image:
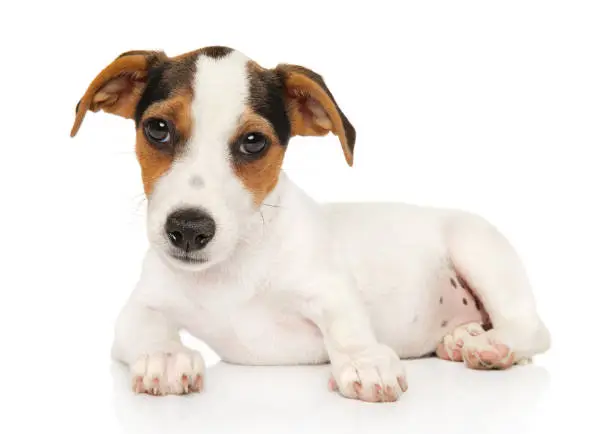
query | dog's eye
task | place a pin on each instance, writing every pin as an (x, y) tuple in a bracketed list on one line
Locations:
[(253, 143), (159, 132)]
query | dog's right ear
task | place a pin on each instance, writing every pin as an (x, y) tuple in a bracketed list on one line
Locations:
[(118, 87)]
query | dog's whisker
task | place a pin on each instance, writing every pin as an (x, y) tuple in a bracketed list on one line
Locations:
[(139, 200), (140, 197)]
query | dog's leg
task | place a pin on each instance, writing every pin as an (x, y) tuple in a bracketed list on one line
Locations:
[(489, 266), (362, 368), (150, 345)]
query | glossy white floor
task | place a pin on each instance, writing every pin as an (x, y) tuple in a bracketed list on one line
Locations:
[(78, 390), (443, 397)]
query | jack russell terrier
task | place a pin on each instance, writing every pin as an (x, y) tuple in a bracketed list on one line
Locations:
[(243, 259)]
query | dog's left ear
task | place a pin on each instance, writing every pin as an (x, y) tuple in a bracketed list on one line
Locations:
[(312, 109)]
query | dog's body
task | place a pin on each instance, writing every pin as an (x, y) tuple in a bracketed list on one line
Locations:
[(278, 278)]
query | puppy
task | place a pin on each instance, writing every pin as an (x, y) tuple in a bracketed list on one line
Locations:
[(243, 259)]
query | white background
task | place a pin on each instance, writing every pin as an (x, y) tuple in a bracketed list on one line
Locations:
[(501, 108)]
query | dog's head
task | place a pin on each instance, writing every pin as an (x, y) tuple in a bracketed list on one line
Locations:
[(212, 127)]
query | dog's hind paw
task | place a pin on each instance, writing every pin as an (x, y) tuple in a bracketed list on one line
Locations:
[(476, 348), (175, 373), (483, 352), (451, 346)]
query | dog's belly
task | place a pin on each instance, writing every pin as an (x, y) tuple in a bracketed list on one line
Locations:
[(410, 322)]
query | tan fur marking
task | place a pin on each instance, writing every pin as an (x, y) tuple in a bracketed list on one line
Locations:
[(259, 176), (153, 162)]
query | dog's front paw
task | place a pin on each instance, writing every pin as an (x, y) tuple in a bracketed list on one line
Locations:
[(164, 373), (374, 375)]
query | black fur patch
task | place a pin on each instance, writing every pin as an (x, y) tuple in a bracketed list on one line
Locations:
[(216, 52), (156, 90), (267, 100), (163, 79)]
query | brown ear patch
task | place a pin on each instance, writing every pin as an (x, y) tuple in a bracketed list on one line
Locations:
[(118, 87), (312, 109), (119, 95), (259, 176)]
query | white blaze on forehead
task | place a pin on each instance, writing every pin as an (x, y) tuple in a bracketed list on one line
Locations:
[(221, 90)]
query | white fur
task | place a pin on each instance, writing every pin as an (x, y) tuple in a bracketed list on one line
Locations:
[(302, 283)]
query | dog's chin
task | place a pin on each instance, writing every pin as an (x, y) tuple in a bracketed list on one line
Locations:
[(187, 262)]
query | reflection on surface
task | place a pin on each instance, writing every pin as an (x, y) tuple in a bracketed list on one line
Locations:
[(442, 397)]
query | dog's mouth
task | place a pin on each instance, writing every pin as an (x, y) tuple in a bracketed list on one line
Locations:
[(186, 258)]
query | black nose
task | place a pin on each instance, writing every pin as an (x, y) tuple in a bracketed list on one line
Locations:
[(190, 229)]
